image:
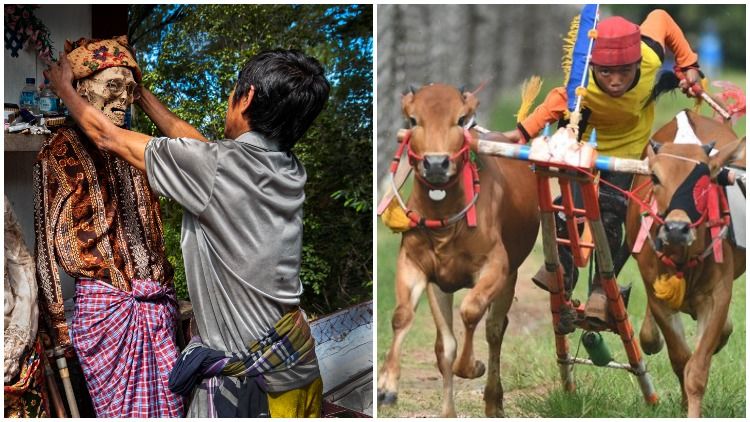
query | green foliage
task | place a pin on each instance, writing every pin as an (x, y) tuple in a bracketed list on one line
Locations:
[(191, 63), (171, 213)]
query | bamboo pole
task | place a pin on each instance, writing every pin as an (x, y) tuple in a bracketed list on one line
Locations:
[(62, 367), (54, 392)]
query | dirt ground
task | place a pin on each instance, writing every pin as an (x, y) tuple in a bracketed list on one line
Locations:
[(421, 381)]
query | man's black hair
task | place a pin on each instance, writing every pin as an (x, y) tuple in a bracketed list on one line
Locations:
[(290, 91)]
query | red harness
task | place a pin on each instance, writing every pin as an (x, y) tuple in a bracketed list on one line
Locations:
[(469, 176), (712, 201)]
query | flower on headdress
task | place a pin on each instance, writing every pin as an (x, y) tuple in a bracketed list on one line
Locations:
[(91, 65), (100, 53)]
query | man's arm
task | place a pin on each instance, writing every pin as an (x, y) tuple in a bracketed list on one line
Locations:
[(127, 144), (166, 121)]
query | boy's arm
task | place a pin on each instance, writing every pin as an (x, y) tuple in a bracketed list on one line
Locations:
[(127, 144), (166, 121), (660, 27), (551, 110)]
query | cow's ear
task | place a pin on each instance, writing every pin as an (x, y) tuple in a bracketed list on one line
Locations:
[(733, 151), (471, 102), (407, 98)]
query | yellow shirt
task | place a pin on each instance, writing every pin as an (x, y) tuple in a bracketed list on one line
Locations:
[(623, 125)]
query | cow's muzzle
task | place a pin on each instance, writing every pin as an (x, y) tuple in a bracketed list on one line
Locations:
[(437, 169)]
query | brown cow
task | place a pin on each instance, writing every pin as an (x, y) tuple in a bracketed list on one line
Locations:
[(444, 260), (708, 284)]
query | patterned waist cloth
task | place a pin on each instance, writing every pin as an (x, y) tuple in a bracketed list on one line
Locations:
[(125, 342), (288, 343)]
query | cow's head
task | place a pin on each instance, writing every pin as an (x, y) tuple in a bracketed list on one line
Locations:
[(438, 115), (681, 175)]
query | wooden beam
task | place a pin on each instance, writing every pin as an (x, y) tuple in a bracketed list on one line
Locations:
[(109, 20)]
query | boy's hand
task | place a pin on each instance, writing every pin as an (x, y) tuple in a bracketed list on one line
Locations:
[(513, 135), (60, 74), (692, 77)]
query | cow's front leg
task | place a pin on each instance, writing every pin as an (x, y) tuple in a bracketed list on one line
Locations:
[(712, 316), (410, 283), (497, 323), (441, 304), (491, 279), (670, 324)]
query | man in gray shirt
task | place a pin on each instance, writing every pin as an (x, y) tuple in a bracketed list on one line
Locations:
[(241, 233)]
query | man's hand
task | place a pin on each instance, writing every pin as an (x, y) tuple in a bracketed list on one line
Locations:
[(692, 77), (59, 74)]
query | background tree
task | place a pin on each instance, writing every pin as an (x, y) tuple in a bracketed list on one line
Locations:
[(191, 56)]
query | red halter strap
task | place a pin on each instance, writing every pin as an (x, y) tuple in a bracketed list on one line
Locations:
[(715, 215), (469, 177)]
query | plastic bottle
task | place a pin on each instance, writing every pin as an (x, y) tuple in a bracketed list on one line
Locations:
[(49, 103), (30, 96)]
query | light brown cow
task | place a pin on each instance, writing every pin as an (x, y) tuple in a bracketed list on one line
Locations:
[(484, 259), (708, 283)]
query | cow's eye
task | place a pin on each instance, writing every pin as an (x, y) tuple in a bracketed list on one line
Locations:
[(655, 179), (412, 121), (462, 121)]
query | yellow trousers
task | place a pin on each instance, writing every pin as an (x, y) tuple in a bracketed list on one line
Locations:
[(305, 402)]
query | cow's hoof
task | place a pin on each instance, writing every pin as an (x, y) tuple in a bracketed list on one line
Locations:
[(387, 398), (475, 372)]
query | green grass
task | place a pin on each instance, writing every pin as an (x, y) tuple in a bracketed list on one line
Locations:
[(618, 389), (529, 371)]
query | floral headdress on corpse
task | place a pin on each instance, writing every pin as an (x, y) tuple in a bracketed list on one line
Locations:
[(88, 56)]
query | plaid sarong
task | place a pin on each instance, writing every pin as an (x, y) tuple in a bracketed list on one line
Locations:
[(288, 343), (125, 342)]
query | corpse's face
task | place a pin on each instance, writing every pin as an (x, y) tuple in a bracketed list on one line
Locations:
[(616, 80), (111, 91)]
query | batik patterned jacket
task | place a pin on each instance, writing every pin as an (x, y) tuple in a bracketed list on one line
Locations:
[(95, 216)]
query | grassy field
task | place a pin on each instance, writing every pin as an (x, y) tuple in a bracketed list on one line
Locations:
[(529, 371)]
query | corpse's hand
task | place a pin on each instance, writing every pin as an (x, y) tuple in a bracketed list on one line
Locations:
[(692, 77), (60, 74)]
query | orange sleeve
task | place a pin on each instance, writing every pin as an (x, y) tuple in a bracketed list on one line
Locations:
[(551, 110), (660, 27)]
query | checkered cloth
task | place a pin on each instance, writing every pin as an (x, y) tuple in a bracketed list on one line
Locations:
[(125, 342), (288, 343)]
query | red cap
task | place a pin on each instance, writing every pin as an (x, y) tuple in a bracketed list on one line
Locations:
[(618, 42)]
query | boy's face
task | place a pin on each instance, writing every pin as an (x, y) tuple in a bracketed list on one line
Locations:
[(616, 80)]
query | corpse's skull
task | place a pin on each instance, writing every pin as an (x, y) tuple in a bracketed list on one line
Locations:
[(111, 91)]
